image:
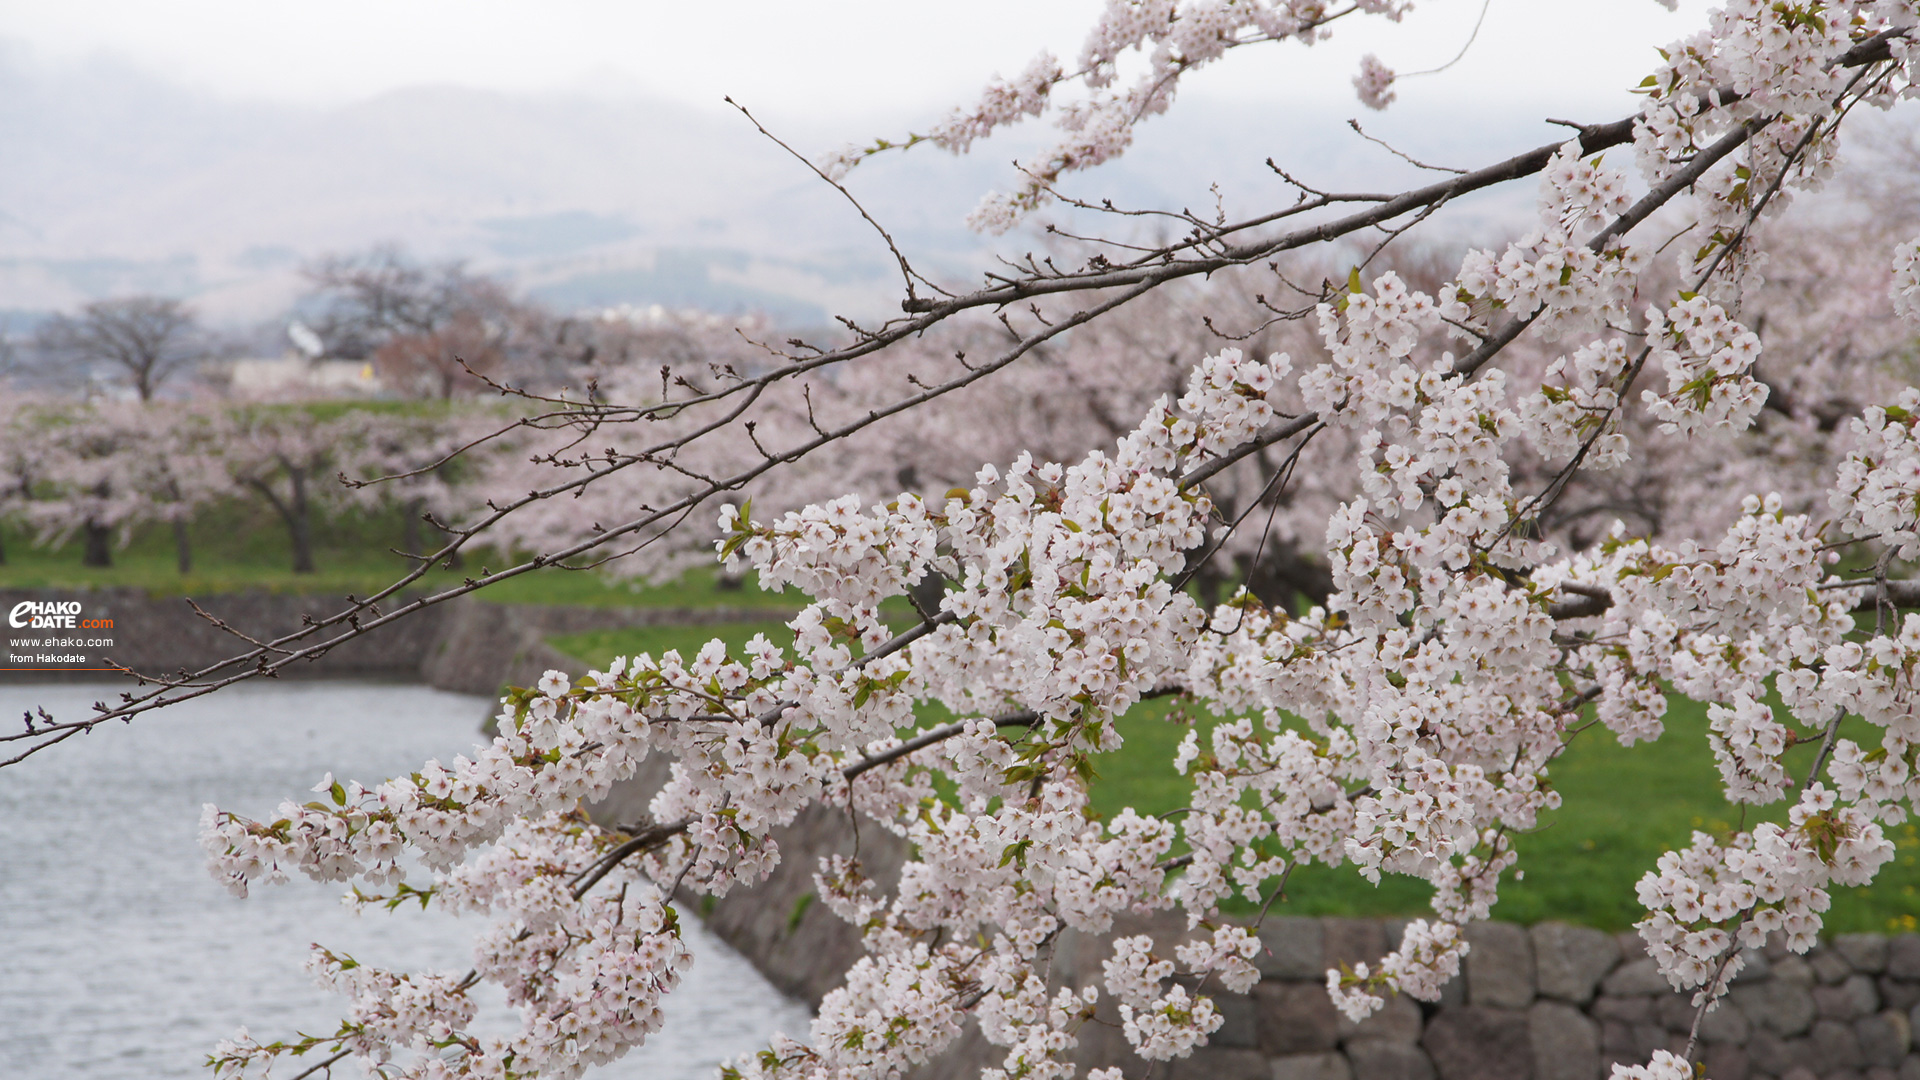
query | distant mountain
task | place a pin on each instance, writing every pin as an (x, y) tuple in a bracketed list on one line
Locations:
[(117, 182)]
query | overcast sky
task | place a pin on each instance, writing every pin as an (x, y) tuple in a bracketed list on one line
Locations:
[(807, 57)]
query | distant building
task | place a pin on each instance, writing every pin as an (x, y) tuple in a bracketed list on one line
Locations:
[(298, 374), (303, 371)]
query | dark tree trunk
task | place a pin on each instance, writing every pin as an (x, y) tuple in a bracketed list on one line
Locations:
[(929, 591), (1208, 580), (292, 511), (182, 546), (97, 549), (299, 523), (3, 547), (1288, 580)]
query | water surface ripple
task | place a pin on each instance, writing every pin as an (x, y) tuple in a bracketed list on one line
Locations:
[(121, 958)]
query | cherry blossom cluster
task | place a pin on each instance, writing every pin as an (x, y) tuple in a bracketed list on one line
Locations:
[(389, 1011), (586, 972), (1430, 683), (1666, 1065), (1406, 725), (1428, 956), (1878, 489), (1374, 83), (1757, 59), (1708, 359), (1905, 287), (1711, 901), (1176, 37)]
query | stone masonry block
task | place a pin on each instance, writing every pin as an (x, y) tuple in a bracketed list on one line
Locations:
[(1631, 1043), (1885, 1039), (1897, 993), (1828, 965), (1479, 1043), (1727, 1061), (1769, 1053), (1295, 949), (1217, 1063), (1627, 1010), (1640, 976), (1867, 953), (1294, 1018), (1793, 970), (1675, 1012), (1857, 998), (1754, 967), (1781, 1007), (1903, 957), (1836, 1045), (1499, 965), (1238, 1028), (1326, 1066), (1570, 961), (1352, 941), (1725, 1023), (1377, 1059), (1566, 1043)]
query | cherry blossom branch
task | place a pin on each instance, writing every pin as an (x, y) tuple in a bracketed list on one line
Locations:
[(907, 273), (207, 680), (1023, 718), (1138, 278)]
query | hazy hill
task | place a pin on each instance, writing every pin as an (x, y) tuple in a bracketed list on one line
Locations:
[(118, 182)]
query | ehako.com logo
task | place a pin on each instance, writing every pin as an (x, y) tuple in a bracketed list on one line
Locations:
[(53, 615)]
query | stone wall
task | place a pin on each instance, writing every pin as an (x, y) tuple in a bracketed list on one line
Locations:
[(466, 645), (164, 634), (1548, 1002)]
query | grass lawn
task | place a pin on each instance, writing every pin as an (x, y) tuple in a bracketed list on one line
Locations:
[(597, 648), (241, 546), (1622, 808)]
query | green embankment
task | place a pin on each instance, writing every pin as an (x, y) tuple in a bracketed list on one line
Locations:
[(238, 545), (1622, 808)]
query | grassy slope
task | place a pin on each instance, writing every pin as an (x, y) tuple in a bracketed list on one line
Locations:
[(1622, 808), (241, 546)]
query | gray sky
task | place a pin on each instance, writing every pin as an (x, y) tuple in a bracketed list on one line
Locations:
[(114, 185), (878, 58)]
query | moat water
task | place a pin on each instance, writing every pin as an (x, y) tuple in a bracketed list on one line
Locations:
[(121, 958)]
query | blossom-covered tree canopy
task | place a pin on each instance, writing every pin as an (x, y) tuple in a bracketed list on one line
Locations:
[(1405, 722)]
